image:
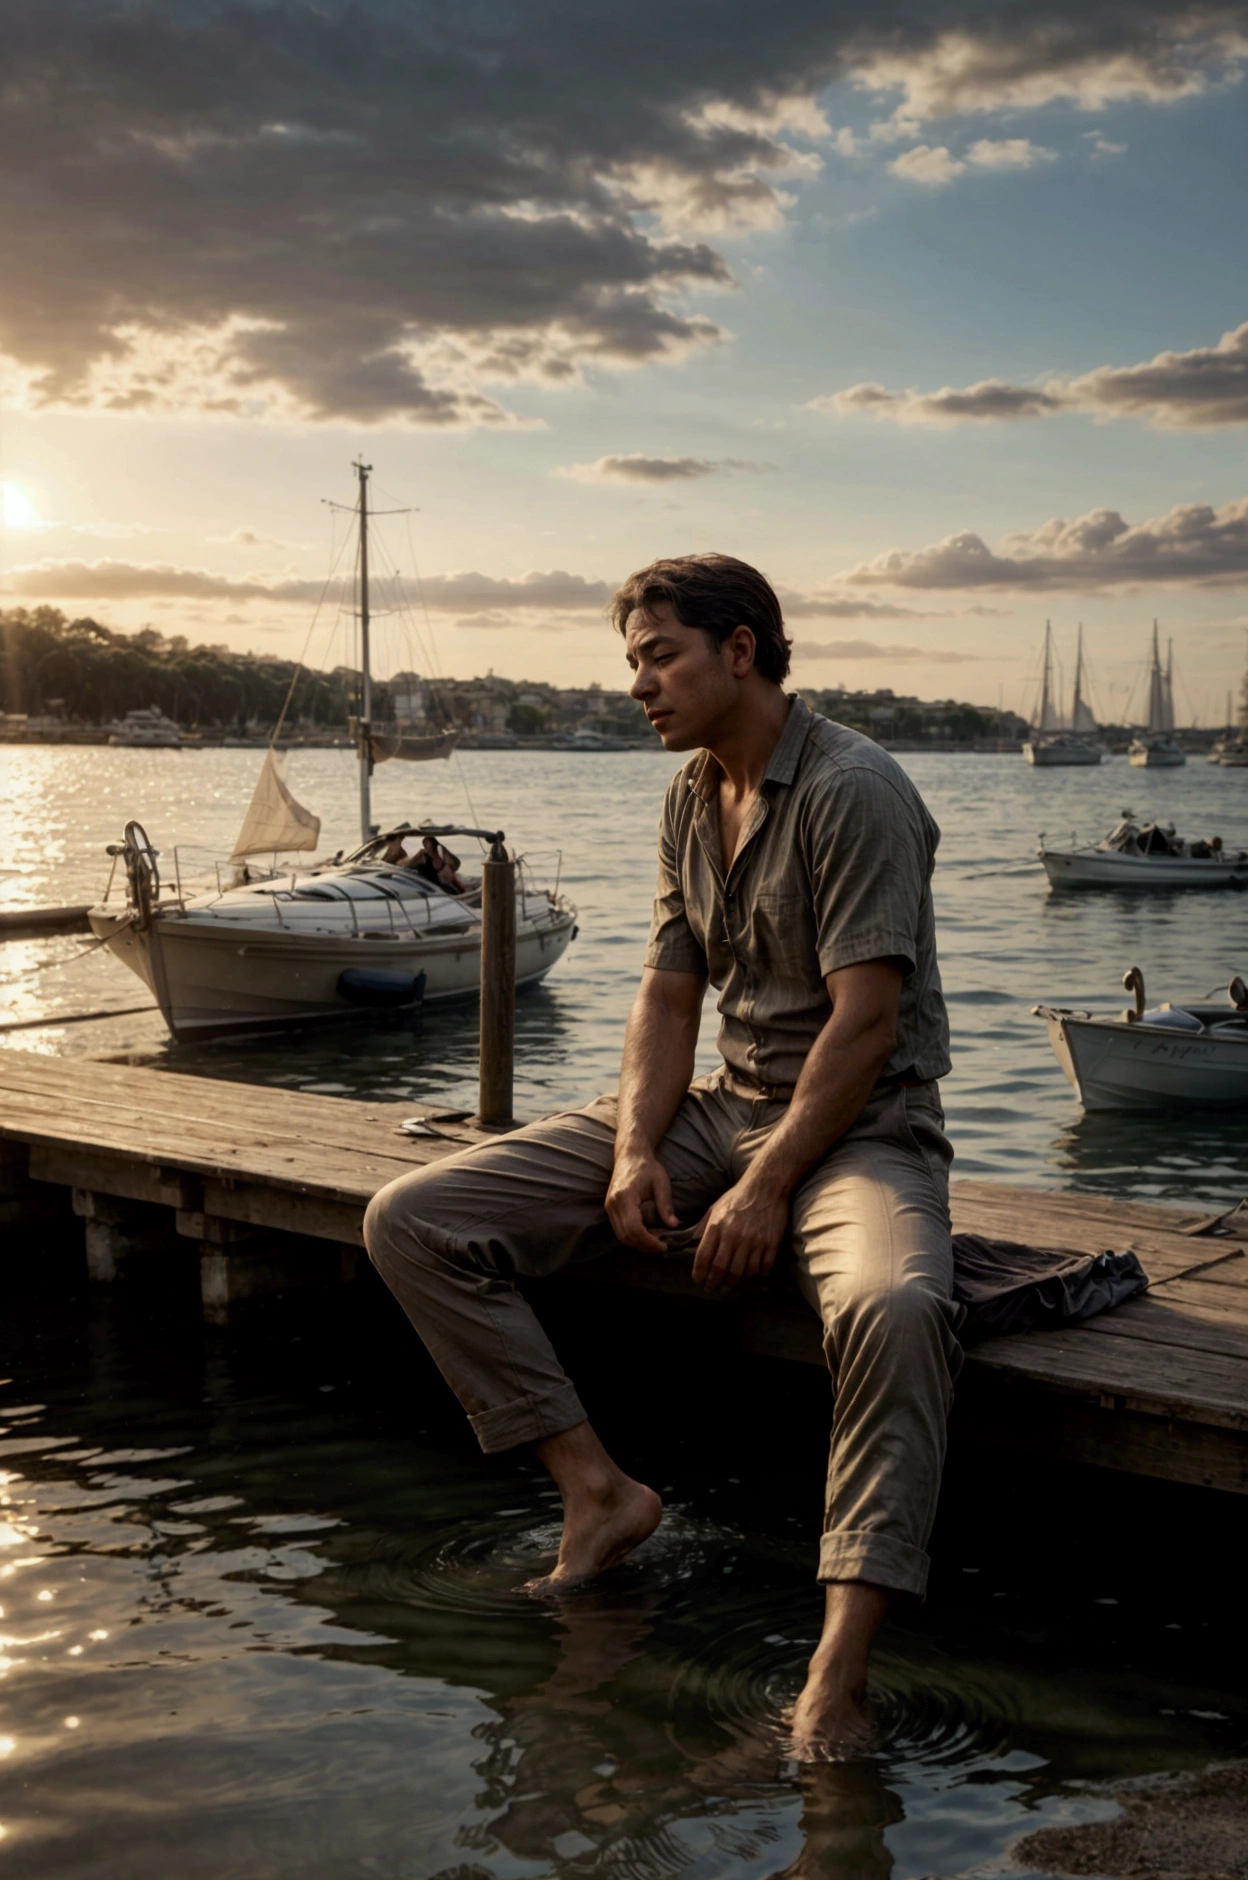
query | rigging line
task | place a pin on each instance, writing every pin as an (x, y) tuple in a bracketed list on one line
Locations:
[(294, 680), (460, 768)]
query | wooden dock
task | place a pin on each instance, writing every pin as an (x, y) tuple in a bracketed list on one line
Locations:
[(269, 1187)]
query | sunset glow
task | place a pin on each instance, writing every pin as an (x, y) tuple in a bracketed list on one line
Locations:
[(18, 510)]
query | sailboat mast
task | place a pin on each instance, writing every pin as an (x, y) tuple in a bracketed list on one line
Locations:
[(1046, 694), (1077, 701), (366, 681)]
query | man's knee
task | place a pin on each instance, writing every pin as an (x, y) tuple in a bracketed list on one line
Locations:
[(907, 1316), (392, 1221)]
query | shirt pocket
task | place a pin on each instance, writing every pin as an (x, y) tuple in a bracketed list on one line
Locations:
[(784, 945)]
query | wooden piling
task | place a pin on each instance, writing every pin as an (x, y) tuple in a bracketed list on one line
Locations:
[(498, 987)]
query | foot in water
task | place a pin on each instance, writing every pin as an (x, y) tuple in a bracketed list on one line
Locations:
[(828, 1723), (600, 1528)]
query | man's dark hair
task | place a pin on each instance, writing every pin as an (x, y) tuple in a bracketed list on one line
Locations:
[(716, 594)]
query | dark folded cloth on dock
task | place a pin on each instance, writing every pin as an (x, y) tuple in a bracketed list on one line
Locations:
[(1008, 1287)]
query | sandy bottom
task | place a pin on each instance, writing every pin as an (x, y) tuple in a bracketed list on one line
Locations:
[(1186, 1827)]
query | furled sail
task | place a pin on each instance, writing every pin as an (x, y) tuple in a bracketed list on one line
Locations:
[(275, 822), (411, 747)]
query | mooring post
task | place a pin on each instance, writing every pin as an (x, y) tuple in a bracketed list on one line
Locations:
[(498, 985)]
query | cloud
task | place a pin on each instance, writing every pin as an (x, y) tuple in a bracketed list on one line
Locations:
[(1008, 153), (933, 167), (460, 593), (369, 213), (990, 398), (1087, 56), (1196, 390), (1196, 545), (634, 467), (868, 649)]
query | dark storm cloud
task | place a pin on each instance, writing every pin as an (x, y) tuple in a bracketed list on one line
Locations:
[(382, 211), (1195, 544), (1195, 390)]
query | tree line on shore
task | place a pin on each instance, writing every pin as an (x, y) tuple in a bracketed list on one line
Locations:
[(88, 673)]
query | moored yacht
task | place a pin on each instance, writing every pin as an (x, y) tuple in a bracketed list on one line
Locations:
[(1157, 749), (1052, 743), (146, 728), (391, 924)]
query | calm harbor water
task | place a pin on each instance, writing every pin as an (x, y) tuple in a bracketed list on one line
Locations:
[(1006, 941), (258, 1616)]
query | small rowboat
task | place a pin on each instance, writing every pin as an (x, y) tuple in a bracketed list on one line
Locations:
[(1174, 1055)]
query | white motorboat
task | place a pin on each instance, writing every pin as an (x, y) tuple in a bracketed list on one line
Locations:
[(1156, 749), (269, 946), (1052, 743), (147, 728), (1145, 855), (1194, 1052)]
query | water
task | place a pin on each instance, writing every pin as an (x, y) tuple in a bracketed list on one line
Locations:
[(258, 1587), (1006, 941), (259, 1620)]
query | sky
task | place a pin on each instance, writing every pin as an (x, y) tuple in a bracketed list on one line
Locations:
[(936, 313)]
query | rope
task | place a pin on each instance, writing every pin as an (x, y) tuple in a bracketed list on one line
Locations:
[(47, 965), (335, 558), (74, 1018)]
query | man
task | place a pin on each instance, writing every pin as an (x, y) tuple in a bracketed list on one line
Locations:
[(795, 861)]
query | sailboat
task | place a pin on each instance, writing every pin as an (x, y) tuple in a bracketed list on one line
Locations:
[(1157, 749), (386, 926), (1051, 743), (1231, 751)]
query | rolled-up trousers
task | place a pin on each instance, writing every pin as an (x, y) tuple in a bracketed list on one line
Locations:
[(869, 1233)]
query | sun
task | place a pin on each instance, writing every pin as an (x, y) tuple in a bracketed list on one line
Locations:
[(18, 510)]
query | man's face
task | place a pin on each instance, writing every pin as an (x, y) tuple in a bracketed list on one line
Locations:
[(684, 681)]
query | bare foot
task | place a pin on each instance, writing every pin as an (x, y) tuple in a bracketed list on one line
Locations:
[(601, 1526), (828, 1723)]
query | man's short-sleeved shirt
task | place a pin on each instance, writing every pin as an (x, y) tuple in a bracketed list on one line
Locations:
[(833, 868)]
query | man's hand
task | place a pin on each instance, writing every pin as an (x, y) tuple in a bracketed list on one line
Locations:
[(741, 1236), (640, 1193)]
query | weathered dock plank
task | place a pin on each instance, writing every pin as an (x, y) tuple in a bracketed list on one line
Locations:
[(1159, 1387)]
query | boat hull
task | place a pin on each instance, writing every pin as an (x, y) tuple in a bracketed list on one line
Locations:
[(1061, 756), (1114, 1065), (1087, 868), (1163, 755), (213, 979)]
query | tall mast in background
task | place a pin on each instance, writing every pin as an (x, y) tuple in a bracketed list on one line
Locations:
[(1050, 717), (365, 727)]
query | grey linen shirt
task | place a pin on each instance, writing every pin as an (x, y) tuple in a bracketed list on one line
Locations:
[(833, 867)]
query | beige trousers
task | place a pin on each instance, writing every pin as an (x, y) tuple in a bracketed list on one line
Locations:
[(870, 1242)]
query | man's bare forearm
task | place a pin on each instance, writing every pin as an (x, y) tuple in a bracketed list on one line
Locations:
[(659, 1046)]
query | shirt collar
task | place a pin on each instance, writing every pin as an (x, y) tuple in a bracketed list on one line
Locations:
[(782, 766)]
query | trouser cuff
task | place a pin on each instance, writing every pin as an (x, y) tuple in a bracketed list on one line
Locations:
[(528, 1419), (874, 1557)]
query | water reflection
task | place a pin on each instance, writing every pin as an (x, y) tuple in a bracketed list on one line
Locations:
[(276, 1588), (1181, 1154)]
